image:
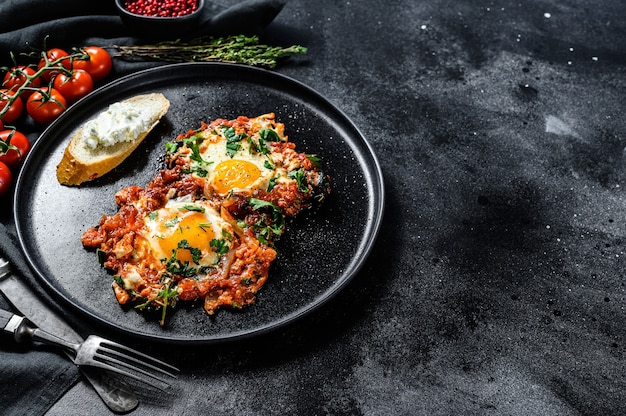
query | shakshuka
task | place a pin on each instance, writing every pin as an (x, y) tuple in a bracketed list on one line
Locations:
[(204, 228)]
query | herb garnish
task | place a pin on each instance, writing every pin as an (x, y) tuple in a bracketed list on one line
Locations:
[(220, 246), (172, 223), (232, 140), (118, 279), (269, 135), (172, 147), (173, 265), (101, 255), (192, 208), (314, 159), (166, 294), (300, 178), (265, 230), (272, 183)]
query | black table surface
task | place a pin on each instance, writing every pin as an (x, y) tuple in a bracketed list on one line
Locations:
[(497, 283)]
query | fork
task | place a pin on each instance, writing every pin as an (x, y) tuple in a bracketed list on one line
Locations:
[(94, 351)]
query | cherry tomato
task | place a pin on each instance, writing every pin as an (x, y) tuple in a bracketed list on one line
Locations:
[(15, 109), (17, 146), (53, 55), (17, 76), (98, 62), (5, 179), (73, 86), (45, 105)]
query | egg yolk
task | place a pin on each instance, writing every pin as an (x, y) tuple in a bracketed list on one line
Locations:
[(234, 173), (193, 227)]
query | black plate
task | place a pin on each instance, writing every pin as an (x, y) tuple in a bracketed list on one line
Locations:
[(321, 251)]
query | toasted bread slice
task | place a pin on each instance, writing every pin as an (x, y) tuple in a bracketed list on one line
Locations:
[(81, 162)]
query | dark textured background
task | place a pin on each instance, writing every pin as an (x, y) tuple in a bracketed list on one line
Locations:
[(497, 283)]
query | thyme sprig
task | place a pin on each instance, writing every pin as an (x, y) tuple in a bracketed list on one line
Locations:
[(232, 49)]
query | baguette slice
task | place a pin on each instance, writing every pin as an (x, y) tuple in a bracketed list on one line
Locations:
[(81, 163)]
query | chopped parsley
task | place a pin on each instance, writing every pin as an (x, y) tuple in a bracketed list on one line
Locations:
[(198, 170), (228, 131), (173, 265), (196, 253), (272, 183), (199, 166), (168, 295), (232, 147), (314, 159), (192, 208), (263, 147), (233, 140), (172, 147), (101, 255), (300, 178), (269, 135), (226, 235), (192, 143), (220, 246), (260, 203), (118, 279), (263, 229), (173, 222), (252, 146)]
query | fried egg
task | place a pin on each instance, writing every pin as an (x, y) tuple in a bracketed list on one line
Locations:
[(238, 166), (238, 156), (189, 232)]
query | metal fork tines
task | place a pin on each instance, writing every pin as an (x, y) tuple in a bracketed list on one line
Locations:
[(100, 352), (95, 351), (4, 267)]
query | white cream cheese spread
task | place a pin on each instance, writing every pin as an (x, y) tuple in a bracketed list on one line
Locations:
[(121, 122)]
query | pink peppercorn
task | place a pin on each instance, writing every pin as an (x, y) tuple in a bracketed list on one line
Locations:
[(161, 8)]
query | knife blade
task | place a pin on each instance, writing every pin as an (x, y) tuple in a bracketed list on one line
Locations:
[(114, 392)]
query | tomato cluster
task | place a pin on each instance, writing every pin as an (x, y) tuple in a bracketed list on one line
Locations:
[(58, 80), (44, 90), (13, 148)]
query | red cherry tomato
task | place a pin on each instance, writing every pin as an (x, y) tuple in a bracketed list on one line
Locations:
[(97, 62), (5, 179), (73, 86), (17, 146), (45, 105), (17, 76), (15, 109), (53, 55)]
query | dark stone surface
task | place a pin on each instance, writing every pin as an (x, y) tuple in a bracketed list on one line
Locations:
[(497, 283)]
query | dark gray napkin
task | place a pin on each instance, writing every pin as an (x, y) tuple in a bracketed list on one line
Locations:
[(31, 379)]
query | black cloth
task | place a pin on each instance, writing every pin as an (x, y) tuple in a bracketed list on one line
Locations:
[(33, 380)]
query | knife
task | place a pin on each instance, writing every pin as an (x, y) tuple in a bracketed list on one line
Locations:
[(114, 392)]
